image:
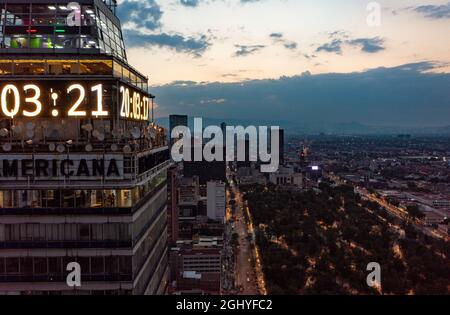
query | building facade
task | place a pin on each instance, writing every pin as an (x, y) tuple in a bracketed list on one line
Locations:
[(216, 203), (172, 202), (83, 176), (286, 176), (197, 267)]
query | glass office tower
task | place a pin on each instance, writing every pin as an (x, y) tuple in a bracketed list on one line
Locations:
[(83, 169)]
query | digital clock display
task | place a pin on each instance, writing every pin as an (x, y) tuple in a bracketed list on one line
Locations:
[(133, 104), (69, 99)]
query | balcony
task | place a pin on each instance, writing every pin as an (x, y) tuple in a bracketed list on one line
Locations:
[(83, 210)]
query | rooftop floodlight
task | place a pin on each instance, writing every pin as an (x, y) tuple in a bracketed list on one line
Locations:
[(60, 148), (7, 147)]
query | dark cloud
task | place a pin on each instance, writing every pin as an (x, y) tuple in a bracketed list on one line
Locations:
[(195, 3), (279, 38), (276, 35), (245, 50), (179, 43), (189, 3), (144, 16), (408, 95), (368, 45), (334, 46), (434, 11), (339, 39)]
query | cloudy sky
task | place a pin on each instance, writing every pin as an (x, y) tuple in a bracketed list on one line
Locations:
[(289, 59)]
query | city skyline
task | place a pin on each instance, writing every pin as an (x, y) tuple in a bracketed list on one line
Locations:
[(300, 179), (206, 57)]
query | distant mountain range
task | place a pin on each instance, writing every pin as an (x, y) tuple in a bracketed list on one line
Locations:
[(350, 128)]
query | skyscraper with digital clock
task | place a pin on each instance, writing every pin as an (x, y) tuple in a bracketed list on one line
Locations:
[(83, 168)]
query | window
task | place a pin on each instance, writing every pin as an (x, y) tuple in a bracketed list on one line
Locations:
[(126, 74), (111, 265), (125, 264), (68, 198), (98, 67), (67, 42), (58, 67), (26, 266), (84, 264), (2, 266), (43, 19), (52, 232), (35, 234), (15, 235), (29, 67), (52, 199), (18, 14), (117, 70), (12, 265), (18, 8), (97, 265), (2, 12), (69, 232), (29, 228), (133, 78), (125, 199), (40, 9), (111, 231), (16, 41), (54, 266), (40, 265), (89, 42), (5, 67), (88, 17), (97, 232), (84, 232), (124, 232)]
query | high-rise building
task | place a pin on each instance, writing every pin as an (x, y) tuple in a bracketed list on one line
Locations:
[(172, 202), (281, 148), (83, 171), (216, 203), (188, 197), (176, 121)]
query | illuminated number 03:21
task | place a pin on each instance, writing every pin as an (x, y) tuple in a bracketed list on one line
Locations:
[(13, 110)]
